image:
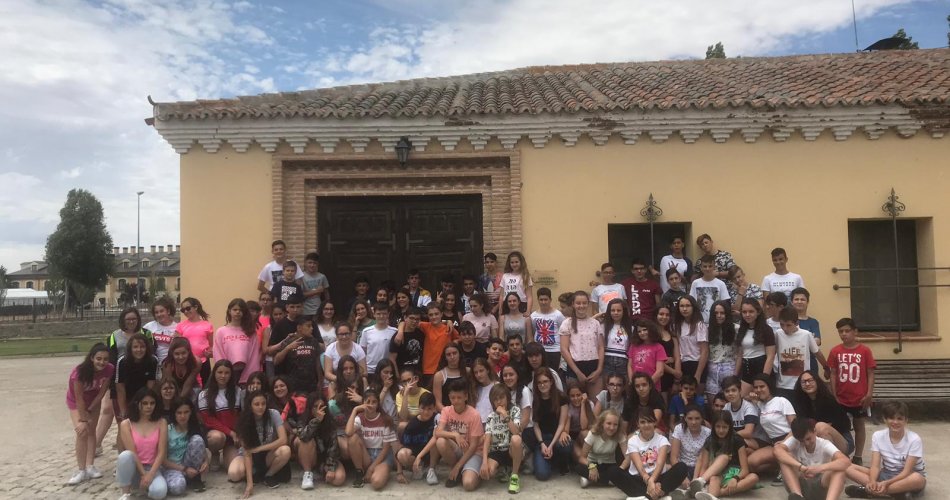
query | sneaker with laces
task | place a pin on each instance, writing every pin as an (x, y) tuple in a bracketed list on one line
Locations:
[(702, 495), (503, 474), (514, 484), (432, 478), (584, 482), (855, 491), (307, 482), (695, 486), (271, 482), (78, 478), (680, 494), (778, 481), (93, 472), (528, 466)]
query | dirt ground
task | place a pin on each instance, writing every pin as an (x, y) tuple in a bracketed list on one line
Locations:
[(37, 453)]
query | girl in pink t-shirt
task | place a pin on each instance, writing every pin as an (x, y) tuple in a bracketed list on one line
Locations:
[(583, 350), (199, 332), (237, 341), (88, 384), (646, 353)]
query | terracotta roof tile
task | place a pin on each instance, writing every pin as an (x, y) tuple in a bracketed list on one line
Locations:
[(908, 78)]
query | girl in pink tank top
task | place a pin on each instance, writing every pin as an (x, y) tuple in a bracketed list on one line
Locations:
[(144, 432)]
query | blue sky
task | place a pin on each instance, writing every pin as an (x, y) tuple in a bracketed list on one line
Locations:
[(75, 74)]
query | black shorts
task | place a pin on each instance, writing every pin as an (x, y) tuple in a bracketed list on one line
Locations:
[(586, 367), (752, 367), (855, 411), (689, 368), (502, 457), (666, 382)]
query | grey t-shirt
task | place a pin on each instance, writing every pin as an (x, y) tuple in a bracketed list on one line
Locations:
[(312, 304)]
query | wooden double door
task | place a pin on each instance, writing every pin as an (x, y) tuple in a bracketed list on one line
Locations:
[(384, 237)]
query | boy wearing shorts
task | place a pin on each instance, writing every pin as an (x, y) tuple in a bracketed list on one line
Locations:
[(852, 380), (897, 460)]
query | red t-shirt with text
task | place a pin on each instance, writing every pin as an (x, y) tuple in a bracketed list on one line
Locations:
[(850, 369)]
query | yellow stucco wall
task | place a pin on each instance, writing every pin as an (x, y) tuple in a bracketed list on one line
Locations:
[(749, 197)]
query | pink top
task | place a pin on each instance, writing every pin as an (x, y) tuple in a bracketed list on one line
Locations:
[(197, 334), (232, 344), (89, 391), (643, 358), (583, 342), (146, 447)]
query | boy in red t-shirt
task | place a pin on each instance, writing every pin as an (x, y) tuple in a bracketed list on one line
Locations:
[(852, 365)]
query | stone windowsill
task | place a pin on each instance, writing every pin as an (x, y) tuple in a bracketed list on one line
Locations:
[(892, 337)]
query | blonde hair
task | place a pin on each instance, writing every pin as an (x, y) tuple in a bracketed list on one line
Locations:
[(598, 428)]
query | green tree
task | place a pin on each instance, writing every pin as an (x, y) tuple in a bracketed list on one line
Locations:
[(78, 251), (716, 51), (908, 43)]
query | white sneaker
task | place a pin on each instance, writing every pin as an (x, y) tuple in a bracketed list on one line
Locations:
[(307, 482), (695, 486), (77, 479), (638, 498), (679, 494), (92, 472), (666, 497), (431, 478), (126, 496), (584, 482), (702, 495)]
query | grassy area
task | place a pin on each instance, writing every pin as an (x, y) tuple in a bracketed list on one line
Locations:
[(56, 345)]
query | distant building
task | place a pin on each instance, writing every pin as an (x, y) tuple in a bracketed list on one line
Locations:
[(158, 269)]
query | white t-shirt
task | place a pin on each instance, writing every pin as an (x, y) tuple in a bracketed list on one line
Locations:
[(357, 352), (484, 324), (649, 451), (773, 416), (750, 349), (690, 445), (545, 328), (689, 344), (824, 451), (682, 265), (272, 272), (708, 293), (605, 404), (511, 282), (327, 333), (163, 336), (483, 404), (616, 342), (791, 356), (603, 294), (376, 344), (894, 456), (527, 399), (784, 283)]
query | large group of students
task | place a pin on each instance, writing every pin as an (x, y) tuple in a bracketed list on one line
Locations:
[(684, 381)]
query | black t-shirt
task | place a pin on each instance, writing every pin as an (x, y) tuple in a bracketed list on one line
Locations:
[(302, 364), (469, 357), (279, 332), (283, 291), (417, 434), (409, 353), (135, 375), (821, 410), (547, 415), (630, 410), (737, 444)]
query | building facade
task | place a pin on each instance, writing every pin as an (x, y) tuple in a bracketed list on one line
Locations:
[(560, 163)]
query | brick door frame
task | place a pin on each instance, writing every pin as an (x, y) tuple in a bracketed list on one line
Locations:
[(298, 181)]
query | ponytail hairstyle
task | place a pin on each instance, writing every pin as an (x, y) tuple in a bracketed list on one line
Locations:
[(579, 293), (85, 371), (198, 307)]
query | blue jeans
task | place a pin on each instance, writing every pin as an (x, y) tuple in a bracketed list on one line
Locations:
[(126, 474), (544, 467)]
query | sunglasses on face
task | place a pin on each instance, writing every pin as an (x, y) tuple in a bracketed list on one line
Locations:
[(186, 309)]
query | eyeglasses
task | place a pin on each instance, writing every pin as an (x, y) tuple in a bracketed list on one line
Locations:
[(808, 381), (186, 309), (342, 334)]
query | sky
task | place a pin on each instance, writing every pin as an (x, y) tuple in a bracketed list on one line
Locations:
[(75, 75)]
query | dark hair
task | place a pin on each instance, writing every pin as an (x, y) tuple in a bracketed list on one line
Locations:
[(700, 238), (491, 256), (823, 397), (801, 426), (167, 303), (385, 417), (289, 263), (277, 242), (326, 429), (606, 265), (776, 299), (443, 361), (767, 380), (556, 396), (688, 380), (653, 331), (134, 413), (679, 320), (574, 296), (138, 337), (788, 314), (843, 322), (587, 408), (247, 323), (460, 385), (415, 311), (519, 383), (894, 409), (314, 256), (376, 380), (380, 307), (341, 384), (760, 330), (633, 399), (466, 327), (272, 401), (178, 343), (254, 306), (496, 340), (731, 380), (447, 278), (514, 336), (414, 271), (716, 445), (778, 251), (692, 407), (360, 279), (198, 307), (724, 334), (801, 291), (427, 399), (246, 427), (194, 425), (535, 349), (637, 261), (469, 277), (645, 414), (126, 311), (293, 300), (86, 371), (566, 298), (319, 318), (212, 388), (707, 259), (544, 292), (260, 377), (504, 305), (671, 271), (625, 323)]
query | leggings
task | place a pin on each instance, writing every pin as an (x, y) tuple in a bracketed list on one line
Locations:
[(126, 474), (634, 486), (602, 471), (194, 457)]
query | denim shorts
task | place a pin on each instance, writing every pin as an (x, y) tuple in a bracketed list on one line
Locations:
[(374, 453)]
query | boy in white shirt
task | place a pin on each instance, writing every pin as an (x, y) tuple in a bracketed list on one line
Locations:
[(609, 290), (897, 460), (545, 324), (375, 339), (792, 348), (273, 270), (782, 280), (811, 466), (708, 289)]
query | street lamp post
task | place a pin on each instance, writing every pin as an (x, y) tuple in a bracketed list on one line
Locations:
[(138, 247)]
